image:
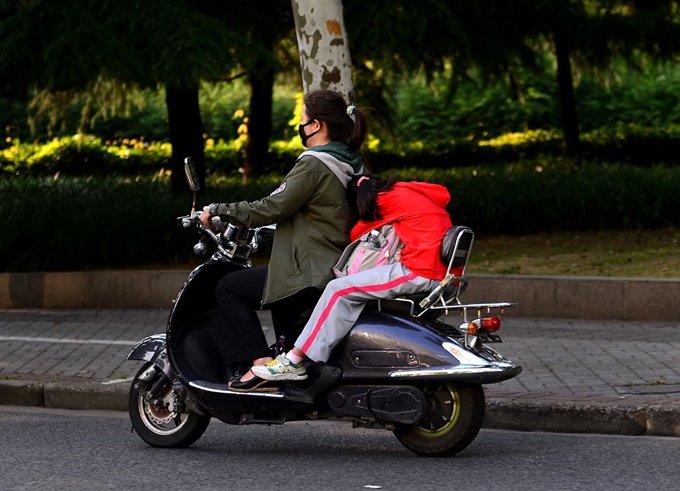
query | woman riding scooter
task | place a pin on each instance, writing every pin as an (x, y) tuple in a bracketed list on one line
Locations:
[(313, 220)]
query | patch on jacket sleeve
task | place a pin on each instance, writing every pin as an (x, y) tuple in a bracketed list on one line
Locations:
[(280, 189)]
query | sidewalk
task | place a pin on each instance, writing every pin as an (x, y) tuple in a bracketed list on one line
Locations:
[(597, 376)]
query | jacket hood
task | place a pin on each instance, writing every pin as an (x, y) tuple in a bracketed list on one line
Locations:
[(341, 152), (337, 157), (435, 192)]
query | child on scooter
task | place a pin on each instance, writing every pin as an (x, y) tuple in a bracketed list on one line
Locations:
[(417, 212)]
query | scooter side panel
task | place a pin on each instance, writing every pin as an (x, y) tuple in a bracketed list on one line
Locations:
[(378, 337), (384, 345), (194, 337), (198, 350), (197, 294)]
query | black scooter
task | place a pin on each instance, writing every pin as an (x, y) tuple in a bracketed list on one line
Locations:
[(400, 368)]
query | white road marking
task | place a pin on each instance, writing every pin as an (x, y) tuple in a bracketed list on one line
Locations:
[(29, 339), (117, 381)]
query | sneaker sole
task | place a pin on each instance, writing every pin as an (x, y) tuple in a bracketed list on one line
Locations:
[(284, 376), (257, 388)]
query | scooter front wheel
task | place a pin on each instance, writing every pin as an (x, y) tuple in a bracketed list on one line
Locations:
[(164, 421), (452, 420)]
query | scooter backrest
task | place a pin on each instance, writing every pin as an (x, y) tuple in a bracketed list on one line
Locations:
[(455, 253), (456, 248)]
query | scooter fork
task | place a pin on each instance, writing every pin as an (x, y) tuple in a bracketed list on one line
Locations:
[(156, 378)]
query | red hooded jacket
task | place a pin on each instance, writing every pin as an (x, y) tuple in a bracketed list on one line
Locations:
[(416, 209)]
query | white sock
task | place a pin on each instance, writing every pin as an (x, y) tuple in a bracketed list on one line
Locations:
[(294, 358)]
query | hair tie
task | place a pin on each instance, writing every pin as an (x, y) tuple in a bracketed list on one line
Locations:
[(350, 110), (362, 179)]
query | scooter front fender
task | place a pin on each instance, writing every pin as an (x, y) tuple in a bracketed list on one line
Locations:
[(147, 349), (153, 349)]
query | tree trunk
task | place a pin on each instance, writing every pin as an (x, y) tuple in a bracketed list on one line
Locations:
[(186, 135), (566, 94), (259, 121), (324, 50)]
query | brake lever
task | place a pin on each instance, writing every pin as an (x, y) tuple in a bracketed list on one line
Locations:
[(185, 221), (217, 224)]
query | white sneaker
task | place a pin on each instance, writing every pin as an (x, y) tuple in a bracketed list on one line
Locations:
[(281, 368)]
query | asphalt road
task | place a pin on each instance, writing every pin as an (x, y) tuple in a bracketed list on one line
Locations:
[(578, 376), (95, 450)]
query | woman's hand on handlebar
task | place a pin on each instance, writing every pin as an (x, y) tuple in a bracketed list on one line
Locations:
[(205, 217)]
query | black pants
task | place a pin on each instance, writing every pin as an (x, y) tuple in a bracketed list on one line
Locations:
[(239, 297)]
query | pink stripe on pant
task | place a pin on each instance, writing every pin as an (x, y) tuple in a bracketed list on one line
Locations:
[(390, 285)]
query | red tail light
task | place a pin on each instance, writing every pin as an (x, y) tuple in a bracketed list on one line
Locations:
[(488, 324), (491, 324)]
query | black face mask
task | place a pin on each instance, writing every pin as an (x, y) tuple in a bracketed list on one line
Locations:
[(304, 137)]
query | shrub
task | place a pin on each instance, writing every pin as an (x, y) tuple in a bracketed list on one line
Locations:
[(83, 155), (77, 223)]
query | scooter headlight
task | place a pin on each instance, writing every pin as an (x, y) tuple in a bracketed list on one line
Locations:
[(200, 248)]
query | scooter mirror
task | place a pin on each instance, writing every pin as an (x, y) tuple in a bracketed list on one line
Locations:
[(192, 176)]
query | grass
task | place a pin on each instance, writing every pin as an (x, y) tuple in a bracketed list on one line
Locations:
[(95, 223), (630, 253), (622, 253), (615, 253)]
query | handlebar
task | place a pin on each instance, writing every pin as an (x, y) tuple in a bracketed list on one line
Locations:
[(234, 242)]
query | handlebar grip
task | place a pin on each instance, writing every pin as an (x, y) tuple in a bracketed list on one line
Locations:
[(217, 224)]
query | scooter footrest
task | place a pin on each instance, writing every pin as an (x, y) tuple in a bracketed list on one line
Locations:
[(252, 419), (395, 403)]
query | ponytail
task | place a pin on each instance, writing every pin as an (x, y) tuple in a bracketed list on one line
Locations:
[(359, 128), (365, 190), (345, 123)]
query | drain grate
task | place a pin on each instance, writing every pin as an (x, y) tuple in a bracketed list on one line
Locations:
[(653, 389)]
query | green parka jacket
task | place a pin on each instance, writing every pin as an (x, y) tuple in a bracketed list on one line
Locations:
[(313, 220)]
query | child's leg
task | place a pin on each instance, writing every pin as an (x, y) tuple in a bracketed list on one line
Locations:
[(344, 299)]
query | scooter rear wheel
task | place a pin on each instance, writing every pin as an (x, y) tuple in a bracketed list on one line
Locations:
[(452, 420), (160, 426)]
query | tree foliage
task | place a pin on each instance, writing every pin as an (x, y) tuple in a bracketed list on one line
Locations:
[(100, 50), (72, 47), (500, 39)]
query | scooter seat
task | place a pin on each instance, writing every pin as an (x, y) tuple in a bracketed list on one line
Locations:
[(455, 254), (406, 306)]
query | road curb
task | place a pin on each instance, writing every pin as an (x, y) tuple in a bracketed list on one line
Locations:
[(561, 297), (501, 413), (584, 417), (93, 396), (663, 420), (20, 393), (566, 417), (59, 395)]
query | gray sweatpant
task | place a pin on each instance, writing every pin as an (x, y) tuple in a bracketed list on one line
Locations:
[(344, 299)]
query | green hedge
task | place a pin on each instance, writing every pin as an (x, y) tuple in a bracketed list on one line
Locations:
[(84, 155), (63, 224), (93, 223)]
